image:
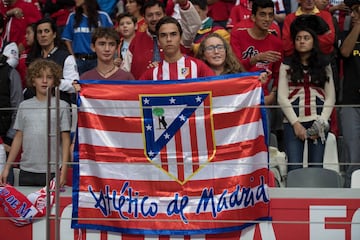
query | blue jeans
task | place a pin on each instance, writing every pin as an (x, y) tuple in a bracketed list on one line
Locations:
[(267, 127), (10, 178), (350, 127), (294, 148), (85, 65)]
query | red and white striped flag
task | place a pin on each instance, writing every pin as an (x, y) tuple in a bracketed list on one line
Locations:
[(171, 157)]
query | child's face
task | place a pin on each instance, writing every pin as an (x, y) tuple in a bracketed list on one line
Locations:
[(126, 27), (44, 80), (105, 48)]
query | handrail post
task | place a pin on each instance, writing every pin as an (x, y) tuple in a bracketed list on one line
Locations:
[(50, 134), (48, 169), (57, 167)]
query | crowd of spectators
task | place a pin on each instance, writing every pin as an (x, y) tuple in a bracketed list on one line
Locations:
[(307, 51)]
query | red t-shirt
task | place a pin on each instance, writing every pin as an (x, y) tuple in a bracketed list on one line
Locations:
[(245, 47), (220, 11), (238, 14)]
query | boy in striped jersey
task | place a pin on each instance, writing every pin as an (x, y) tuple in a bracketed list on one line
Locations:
[(175, 65)]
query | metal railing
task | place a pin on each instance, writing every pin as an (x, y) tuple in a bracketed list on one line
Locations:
[(57, 218)]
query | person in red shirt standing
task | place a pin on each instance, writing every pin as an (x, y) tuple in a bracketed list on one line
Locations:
[(257, 49), (240, 17), (239, 13), (19, 15), (219, 10), (59, 10), (175, 66), (326, 40)]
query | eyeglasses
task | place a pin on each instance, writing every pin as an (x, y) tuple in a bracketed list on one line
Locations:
[(211, 48)]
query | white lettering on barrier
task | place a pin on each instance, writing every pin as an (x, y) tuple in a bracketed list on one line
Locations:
[(317, 215), (266, 230), (96, 235), (114, 236), (317, 222), (65, 224), (93, 234), (39, 227), (66, 233)]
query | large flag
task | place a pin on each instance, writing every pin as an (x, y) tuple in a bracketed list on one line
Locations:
[(171, 157)]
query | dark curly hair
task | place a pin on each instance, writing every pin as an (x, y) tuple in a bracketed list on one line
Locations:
[(317, 63)]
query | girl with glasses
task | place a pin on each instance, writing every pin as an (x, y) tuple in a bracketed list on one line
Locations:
[(216, 52)]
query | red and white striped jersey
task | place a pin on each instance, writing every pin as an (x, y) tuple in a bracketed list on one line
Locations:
[(186, 67)]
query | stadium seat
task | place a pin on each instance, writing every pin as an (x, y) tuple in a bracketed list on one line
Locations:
[(331, 160), (355, 179), (273, 140), (314, 177)]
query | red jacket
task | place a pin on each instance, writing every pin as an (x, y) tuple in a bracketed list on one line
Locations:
[(18, 25)]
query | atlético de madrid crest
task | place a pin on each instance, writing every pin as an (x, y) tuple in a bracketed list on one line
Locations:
[(178, 132)]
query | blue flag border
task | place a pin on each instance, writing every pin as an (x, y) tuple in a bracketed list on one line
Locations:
[(76, 186)]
